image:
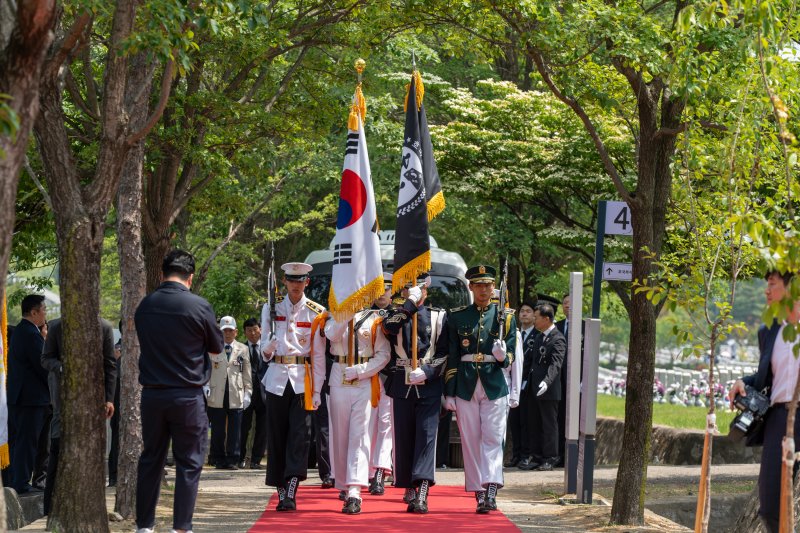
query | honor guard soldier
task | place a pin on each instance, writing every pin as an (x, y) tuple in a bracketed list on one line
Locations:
[(476, 387), (354, 390), (287, 349), (380, 420), (416, 392)]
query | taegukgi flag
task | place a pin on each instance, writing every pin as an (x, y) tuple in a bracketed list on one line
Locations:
[(420, 196), (357, 275)]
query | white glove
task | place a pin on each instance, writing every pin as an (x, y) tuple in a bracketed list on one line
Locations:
[(416, 376), (450, 403), (542, 388), (272, 345), (499, 350), (247, 398), (207, 390), (316, 401), (415, 294), (513, 404), (350, 373)]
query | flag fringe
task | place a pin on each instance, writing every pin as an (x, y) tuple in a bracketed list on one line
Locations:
[(408, 273), (357, 301), (435, 205), (5, 457), (357, 109), (417, 79)]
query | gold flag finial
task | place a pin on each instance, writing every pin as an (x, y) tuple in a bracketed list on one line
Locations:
[(359, 105)]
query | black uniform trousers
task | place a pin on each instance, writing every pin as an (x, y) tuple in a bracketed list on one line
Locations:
[(443, 438), (226, 430), (179, 414), (525, 435), (543, 428), (416, 423), (288, 437), (514, 428), (322, 436), (769, 476), (256, 413), (25, 428)]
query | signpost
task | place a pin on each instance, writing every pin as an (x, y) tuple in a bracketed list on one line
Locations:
[(617, 271), (613, 218)]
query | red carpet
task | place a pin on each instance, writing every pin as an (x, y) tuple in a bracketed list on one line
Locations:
[(451, 510)]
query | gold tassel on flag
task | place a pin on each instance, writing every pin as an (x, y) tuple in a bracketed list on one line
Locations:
[(5, 457), (435, 205), (359, 106), (420, 91)]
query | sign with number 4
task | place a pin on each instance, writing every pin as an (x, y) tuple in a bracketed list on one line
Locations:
[(618, 219)]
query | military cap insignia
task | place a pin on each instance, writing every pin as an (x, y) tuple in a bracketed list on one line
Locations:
[(482, 269)]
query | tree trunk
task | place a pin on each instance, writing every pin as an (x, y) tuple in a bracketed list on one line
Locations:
[(154, 252), (20, 69), (133, 281)]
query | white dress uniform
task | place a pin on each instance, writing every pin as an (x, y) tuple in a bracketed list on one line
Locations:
[(514, 374), (350, 407), (293, 333), (380, 429)]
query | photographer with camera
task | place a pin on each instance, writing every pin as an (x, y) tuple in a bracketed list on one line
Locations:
[(776, 379)]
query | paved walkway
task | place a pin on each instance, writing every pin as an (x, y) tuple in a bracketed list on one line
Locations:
[(231, 501)]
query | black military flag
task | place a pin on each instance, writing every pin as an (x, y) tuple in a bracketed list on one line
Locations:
[(420, 196)]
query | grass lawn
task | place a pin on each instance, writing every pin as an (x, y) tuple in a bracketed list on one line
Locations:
[(665, 414)]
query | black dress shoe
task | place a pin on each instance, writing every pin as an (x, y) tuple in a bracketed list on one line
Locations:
[(226, 466), (514, 461), (420, 507), (287, 504), (352, 506), (327, 483), (545, 467), (482, 509), (490, 504), (242, 465), (343, 495), (528, 464), (376, 488), (559, 463), (409, 495), (256, 466)]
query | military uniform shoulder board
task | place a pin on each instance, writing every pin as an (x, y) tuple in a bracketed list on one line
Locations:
[(457, 309), (314, 306), (279, 298), (399, 301), (435, 308)]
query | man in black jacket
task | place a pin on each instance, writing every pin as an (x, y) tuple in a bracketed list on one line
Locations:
[(777, 376), (51, 361), (28, 395), (544, 381), (177, 331)]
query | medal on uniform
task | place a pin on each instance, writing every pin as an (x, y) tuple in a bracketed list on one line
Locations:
[(465, 343)]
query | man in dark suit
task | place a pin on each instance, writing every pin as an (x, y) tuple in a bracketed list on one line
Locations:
[(544, 382), (777, 374), (28, 395), (518, 422), (257, 410)]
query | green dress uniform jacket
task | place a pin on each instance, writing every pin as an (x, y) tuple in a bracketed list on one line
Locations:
[(473, 330)]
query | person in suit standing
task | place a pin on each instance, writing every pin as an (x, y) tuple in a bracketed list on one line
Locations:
[(28, 394), (518, 416), (229, 392), (256, 413), (777, 376), (476, 387), (544, 381)]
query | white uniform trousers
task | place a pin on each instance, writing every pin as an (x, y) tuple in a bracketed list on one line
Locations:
[(482, 425), (331, 438), (380, 430), (349, 410)]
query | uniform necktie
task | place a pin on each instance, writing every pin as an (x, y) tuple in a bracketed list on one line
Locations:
[(228, 351), (566, 327)]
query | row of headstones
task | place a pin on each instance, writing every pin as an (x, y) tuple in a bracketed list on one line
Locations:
[(667, 377)]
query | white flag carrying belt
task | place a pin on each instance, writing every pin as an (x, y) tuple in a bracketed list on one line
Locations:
[(357, 273)]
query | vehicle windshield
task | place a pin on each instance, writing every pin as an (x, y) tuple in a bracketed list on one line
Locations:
[(445, 292)]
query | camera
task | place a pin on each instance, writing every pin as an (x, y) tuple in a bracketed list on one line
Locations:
[(752, 409)]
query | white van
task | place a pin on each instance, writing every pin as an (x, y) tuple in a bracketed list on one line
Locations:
[(449, 287)]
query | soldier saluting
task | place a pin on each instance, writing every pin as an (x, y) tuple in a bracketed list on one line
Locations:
[(476, 387)]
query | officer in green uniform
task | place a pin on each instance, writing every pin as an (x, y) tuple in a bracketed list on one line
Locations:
[(476, 386)]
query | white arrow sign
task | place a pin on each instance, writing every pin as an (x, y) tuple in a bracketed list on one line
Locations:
[(618, 219), (617, 271)]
